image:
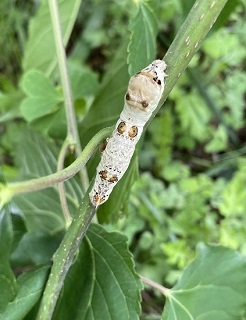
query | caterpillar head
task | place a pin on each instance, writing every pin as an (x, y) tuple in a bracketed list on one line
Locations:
[(146, 87)]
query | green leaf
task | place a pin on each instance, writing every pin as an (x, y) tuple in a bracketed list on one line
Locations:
[(233, 197), (31, 285), (40, 48), (36, 157), (42, 98), (225, 46), (102, 283), (109, 101), (213, 286), (35, 248), (225, 13), (142, 48), (7, 278), (193, 115), (218, 142), (83, 81)]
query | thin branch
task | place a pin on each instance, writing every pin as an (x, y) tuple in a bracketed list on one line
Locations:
[(61, 186), (12, 189), (155, 285), (72, 134), (64, 257)]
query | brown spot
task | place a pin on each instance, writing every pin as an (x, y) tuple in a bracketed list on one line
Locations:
[(133, 132), (144, 104), (103, 174), (128, 96), (113, 179), (121, 127), (103, 146), (98, 200)]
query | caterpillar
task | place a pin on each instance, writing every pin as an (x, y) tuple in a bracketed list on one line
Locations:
[(141, 99)]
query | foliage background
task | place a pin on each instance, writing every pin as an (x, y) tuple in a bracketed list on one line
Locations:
[(191, 184)]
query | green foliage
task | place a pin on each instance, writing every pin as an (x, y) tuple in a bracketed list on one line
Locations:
[(40, 48), (207, 290), (42, 97), (190, 188), (102, 282), (142, 46)]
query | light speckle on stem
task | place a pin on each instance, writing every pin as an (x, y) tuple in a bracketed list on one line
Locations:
[(212, 5), (202, 16), (187, 41)]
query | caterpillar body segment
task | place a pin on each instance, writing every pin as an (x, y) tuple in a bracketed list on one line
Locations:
[(143, 94)]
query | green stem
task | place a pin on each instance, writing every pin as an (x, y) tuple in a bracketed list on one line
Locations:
[(72, 134), (155, 285), (61, 186), (64, 257), (16, 188)]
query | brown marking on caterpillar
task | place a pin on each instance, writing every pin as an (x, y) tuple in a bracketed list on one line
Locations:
[(113, 179), (128, 96), (121, 128), (133, 131), (103, 146), (144, 104), (98, 200), (103, 174)]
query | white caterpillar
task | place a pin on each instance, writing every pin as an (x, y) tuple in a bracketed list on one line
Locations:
[(142, 97)]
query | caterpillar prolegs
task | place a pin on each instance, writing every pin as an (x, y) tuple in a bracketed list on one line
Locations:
[(142, 97)]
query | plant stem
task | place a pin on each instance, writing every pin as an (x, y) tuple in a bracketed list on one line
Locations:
[(155, 285), (72, 134), (64, 257), (61, 186), (16, 188)]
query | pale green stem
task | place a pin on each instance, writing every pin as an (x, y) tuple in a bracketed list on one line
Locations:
[(155, 285), (64, 257), (61, 186), (72, 135), (17, 188)]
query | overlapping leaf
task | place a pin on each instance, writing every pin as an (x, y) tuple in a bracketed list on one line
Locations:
[(102, 284), (142, 47), (213, 286), (31, 285), (40, 48), (42, 98), (36, 157)]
